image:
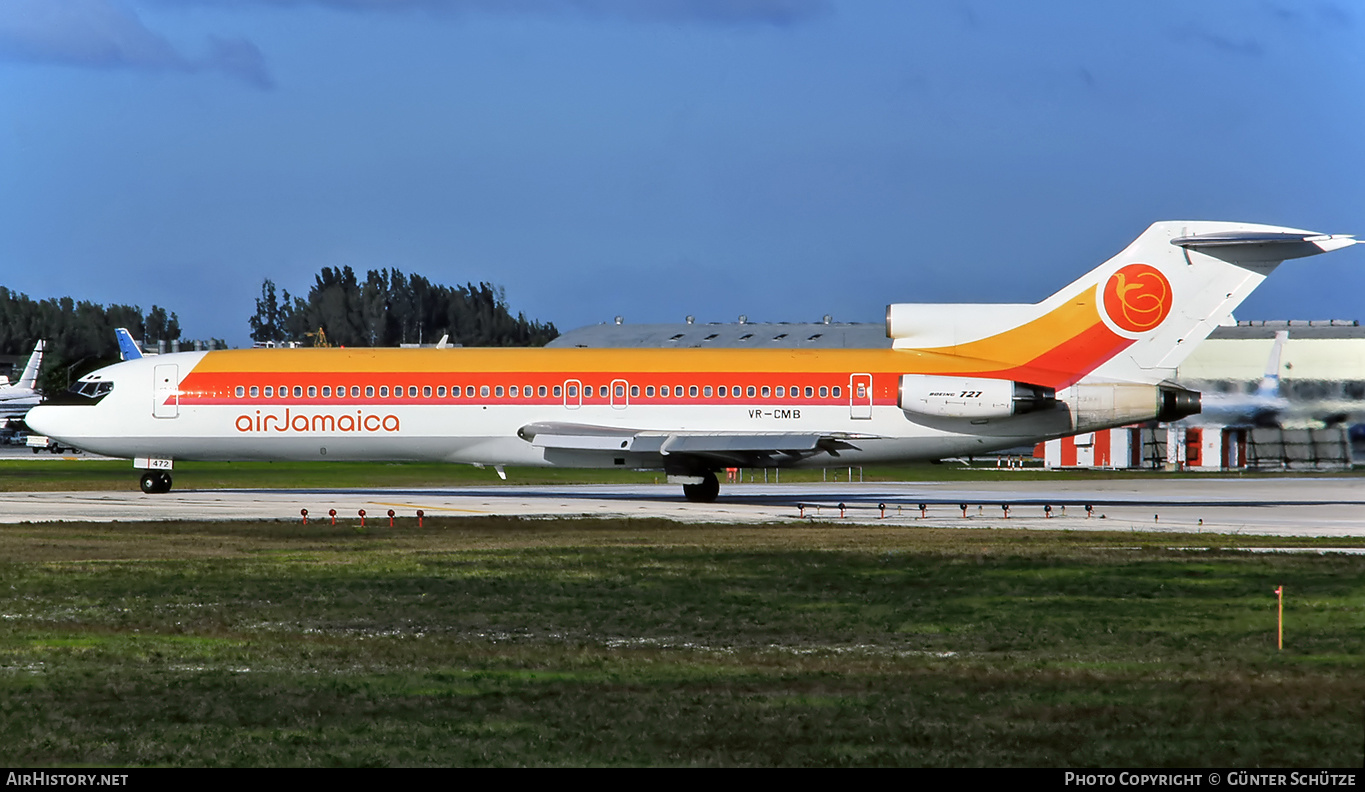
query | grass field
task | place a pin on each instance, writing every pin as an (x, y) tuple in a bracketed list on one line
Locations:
[(504, 642)]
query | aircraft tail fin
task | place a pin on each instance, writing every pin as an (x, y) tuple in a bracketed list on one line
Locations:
[(29, 378), (1134, 318), (1270, 383), (127, 347), (1205, 271)]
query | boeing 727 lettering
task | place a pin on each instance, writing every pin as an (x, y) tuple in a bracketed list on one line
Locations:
[(958, 380)]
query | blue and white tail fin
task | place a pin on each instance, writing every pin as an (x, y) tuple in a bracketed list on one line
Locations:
[(127, 347)]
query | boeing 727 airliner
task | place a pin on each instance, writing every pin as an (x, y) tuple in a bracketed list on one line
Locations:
[(958, 380)]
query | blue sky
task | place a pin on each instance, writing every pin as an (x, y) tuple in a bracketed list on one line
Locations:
[(781, 159)]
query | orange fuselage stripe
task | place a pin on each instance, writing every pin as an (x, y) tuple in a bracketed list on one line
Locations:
[(1054, 350)]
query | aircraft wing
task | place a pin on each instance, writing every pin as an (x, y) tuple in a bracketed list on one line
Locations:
[(724, 449)]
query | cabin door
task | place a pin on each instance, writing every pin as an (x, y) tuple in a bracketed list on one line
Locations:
[(573, 394), (165, 391), (860, 396)]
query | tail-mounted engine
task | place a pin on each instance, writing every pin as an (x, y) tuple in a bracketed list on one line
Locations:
[(973, 398), (1103, 405), (1091, 405), (1177, 403)]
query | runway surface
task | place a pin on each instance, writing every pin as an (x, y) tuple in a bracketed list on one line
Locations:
[(1283, 507)]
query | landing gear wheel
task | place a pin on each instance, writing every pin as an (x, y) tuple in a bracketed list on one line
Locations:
[(155, 482), (705, 492)]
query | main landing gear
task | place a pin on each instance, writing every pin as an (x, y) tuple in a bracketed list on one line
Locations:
[(156, 481), (705, 492)]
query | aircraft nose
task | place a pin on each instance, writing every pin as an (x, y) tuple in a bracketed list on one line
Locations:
[(38, 419), (47, 421)]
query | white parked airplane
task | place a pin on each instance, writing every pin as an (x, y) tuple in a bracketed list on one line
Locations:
[(17, 398), (958, 380)]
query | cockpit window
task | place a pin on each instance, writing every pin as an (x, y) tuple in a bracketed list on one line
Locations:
[(93, 389), (85, 391)]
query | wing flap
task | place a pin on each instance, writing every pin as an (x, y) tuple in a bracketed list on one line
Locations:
[(580, 443), (577, 437), (784, 442), (723, 448)]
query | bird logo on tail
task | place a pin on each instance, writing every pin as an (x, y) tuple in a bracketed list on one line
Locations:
[(1137, 298)]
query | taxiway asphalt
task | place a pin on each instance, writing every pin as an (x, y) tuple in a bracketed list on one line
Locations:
[(1292, 506)]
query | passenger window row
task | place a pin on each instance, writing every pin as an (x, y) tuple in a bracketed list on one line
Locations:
[(541, 391)]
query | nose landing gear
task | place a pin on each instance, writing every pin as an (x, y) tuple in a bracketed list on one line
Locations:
[(156, 481)]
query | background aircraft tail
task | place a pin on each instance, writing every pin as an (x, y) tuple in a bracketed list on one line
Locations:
[(1134, 318), (29, 378), (1270, 383), (127, 347)]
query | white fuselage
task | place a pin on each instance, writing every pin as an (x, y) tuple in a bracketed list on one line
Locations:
[(138, 419)]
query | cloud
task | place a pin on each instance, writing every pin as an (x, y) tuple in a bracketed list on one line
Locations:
[(1315, 20), (109, 34), (241, 59), (777, 13), (105, 34), (1325, 16), (1244, 47)]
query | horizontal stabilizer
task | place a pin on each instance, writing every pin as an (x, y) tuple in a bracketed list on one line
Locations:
[(1321, 242), (1272, 247)]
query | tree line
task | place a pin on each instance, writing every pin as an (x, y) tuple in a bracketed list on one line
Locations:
[(389, 309), (79, 334)]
